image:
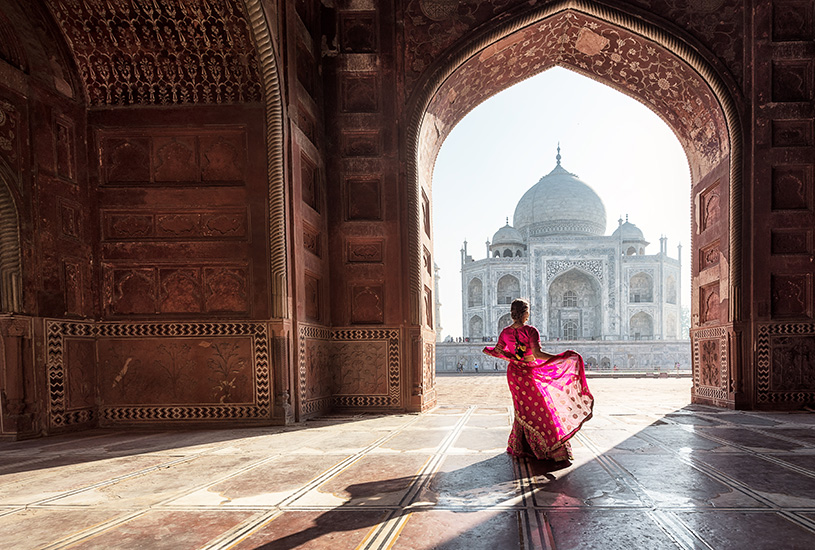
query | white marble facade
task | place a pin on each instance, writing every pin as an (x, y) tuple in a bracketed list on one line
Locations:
[(582, 285)]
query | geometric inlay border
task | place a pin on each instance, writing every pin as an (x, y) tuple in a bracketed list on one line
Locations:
[(765, 333), (393, 399), (57, 331), (711, 392)]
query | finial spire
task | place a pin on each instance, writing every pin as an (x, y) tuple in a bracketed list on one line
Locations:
[(507, 220), (558, 153)]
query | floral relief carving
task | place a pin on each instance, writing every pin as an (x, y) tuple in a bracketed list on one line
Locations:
[(362, 368), (160, 53), (709, 364), (628, 63)]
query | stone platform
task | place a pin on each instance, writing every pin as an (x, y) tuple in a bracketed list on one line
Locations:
[(650, 471)]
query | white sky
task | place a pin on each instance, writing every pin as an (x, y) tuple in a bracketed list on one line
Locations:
[(622, 149)]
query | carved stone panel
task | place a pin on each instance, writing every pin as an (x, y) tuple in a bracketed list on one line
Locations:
[(226, 289), (181, 290), (193, 224), (368, 362), (361, 144), (792, 81), (80, 369), (131, 291), (222, 158), (312, 241), (154, 371), (709, 256), (709, 306), (316, 378), (365, 251), (792, 20), (792, 133), (176, 159), (710, 207), (359, 94), (791, 241), (164, 372), (65, 149), (173, 157), (70, 221), (791, 187), (358, 32), (312, 296), (74, 276), (127, 160), (709, 363), (362, 367), (309, 183), (791, 295), (364, 196), (367, 304), (784, 359)]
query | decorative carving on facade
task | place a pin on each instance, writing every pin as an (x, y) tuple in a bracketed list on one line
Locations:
[(166, 289), (64, 147), (792, 133), (358, 32), (709, 303), (365, 251), (9, 133), (137, 369), (791, 241), (312, 240), (364, 199), (791, 295), (367, 304), (785, 353), (359, 94), (710, 360), (393, 397), (556, 267), (174, 157), (791, 80), (161, 53), (791, 187), (74, 286), (312, 296), (709, 256), (710, 208), (361, 144)]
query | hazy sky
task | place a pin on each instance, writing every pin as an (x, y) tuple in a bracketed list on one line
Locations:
[(619, 147)]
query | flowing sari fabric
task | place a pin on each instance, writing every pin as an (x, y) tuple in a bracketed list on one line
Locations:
[(551, 398)]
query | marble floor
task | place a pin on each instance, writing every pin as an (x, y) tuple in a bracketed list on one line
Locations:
[(651, 471)]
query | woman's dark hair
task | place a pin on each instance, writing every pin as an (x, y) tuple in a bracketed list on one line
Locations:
[(517, 309)]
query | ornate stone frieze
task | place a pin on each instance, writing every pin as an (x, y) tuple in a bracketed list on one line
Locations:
[(161, 53), (556, 267)]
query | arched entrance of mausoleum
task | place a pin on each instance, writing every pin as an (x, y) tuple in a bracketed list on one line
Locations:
[(658, 69)]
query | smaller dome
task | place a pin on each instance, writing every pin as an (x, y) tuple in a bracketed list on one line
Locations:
[(507, 235), (629, 232)]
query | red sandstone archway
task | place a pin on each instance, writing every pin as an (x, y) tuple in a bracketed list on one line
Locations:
[(644, 62)]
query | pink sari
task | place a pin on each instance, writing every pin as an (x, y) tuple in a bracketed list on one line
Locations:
[(551, 398)]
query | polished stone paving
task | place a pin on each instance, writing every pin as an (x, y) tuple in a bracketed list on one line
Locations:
[(651, 471)]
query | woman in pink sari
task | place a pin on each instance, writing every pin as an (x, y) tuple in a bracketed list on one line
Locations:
[(549, 392)]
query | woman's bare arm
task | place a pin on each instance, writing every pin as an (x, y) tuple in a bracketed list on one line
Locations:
[(540, 354)]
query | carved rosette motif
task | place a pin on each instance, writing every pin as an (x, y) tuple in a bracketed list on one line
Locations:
[(61, 415), (161, 53), (785, 353)]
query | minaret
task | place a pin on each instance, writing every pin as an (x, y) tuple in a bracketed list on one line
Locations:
[(437, 317)]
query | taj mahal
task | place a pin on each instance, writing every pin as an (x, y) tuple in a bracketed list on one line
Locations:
[(603, 295)]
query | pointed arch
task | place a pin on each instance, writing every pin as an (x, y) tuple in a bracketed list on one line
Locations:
[(427, 130), (11, 299)]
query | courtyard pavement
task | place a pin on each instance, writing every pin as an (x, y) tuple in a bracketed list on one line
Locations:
[(651, 471)]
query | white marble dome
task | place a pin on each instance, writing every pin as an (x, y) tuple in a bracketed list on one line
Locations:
[(507, 235), (560, 204), (629, 232)]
